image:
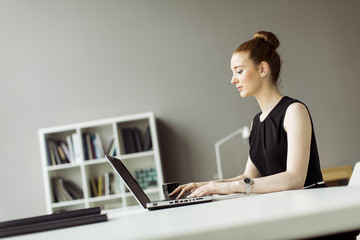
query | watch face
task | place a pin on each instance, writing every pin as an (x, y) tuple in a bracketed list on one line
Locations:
[(247, 180)]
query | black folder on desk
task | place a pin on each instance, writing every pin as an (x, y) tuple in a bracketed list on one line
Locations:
[(51, 222)]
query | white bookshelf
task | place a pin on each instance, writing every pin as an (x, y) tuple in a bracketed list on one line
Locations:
[(81, 170)]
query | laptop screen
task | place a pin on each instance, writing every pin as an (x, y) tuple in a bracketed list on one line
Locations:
[(129, 180)]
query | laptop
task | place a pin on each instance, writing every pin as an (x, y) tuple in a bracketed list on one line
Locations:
[(141, 196)]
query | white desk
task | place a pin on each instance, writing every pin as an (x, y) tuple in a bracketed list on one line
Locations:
[(283, 215)]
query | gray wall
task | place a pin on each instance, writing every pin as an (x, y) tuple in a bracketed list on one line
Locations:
[(67, 61)]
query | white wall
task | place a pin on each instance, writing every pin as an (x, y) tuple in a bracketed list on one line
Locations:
[(70, 61)]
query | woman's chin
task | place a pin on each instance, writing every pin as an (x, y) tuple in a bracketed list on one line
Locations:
[(243, 94)]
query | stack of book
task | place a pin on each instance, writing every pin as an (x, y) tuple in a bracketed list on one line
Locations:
[(65, 190), (102, 185), (51, 222), (93, 147), (133, 141), (60, 152)]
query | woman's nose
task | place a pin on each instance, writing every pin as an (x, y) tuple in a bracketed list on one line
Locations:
[(234, 80)]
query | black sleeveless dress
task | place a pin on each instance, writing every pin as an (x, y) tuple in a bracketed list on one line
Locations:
[(268, 144), (268, 152)]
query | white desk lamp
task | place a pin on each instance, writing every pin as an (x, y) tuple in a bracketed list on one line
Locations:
[(244, 131)]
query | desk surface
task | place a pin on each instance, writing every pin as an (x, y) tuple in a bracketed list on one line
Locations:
[(282, 215)]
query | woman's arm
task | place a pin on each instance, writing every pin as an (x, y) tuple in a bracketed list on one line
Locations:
[(223, 186)]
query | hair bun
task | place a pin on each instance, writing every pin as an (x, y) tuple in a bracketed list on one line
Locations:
[(268, 37)]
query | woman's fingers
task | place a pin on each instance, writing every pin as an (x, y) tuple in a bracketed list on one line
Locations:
[(199, 192), (192, 187), (186, 188), (182, 189), (207, 189), (176, 190)]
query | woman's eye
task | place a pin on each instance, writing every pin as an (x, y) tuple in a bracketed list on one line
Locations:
[(240, 71)]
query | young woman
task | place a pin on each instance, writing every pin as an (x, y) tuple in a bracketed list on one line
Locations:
[(283, 152)]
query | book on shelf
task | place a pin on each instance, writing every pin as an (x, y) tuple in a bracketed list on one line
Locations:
[(129, 140), (112, 149), (133, 142), (93, 147), (87, 147), (76, 146), (61, 152), (138, 141), (147, 141), (71, 151), (106, 190), (65, 190), (93, 187), (99, 146), (50, 153), (66, 151), (74, 191), (102, 185)]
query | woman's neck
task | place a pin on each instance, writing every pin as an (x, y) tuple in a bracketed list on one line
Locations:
[(268, 99)]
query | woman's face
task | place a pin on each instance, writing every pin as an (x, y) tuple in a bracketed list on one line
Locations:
[(246, 76)]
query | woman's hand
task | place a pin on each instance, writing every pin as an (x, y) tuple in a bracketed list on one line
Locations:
[(182, 189), (214, 187), (207, 188)]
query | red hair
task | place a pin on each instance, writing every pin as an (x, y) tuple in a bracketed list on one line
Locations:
[(263, 48)]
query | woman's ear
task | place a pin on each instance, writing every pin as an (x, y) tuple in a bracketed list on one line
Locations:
[(264, 69)]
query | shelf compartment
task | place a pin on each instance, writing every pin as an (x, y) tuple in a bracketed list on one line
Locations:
[(134, 136), (60, 147), (143, 169), (96, 141), (67, 174), (101, 179)]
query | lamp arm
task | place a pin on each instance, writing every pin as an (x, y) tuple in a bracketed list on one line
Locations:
[(217, 150)]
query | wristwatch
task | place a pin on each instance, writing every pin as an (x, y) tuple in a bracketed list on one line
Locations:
[(247, 182)]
